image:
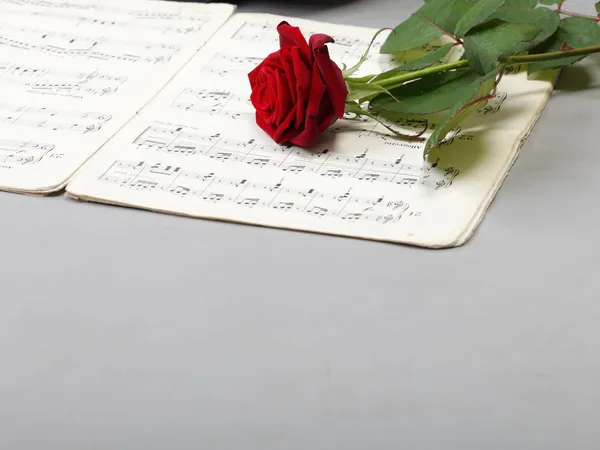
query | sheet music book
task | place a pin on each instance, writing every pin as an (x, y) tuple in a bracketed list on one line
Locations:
[(160, 120), (72, 73)]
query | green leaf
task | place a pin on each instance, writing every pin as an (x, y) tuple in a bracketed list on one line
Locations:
[(597, 7), (550, 2), (486, 43), (544, 18), (463, 107), (410, 34), (512, 31), (452, 12), (430, 94), (476, 15), (575, 32), (522, 3), (362, 91), (424, 61), (427, 24), (413, 32)]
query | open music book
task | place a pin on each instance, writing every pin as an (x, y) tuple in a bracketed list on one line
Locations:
[(146, 104)]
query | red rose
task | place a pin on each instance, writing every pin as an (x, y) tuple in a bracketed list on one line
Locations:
[(297, 91)]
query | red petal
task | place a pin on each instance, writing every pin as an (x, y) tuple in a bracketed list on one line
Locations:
[(308, 136), (303, 84), (273, 60), (269, 95), (290, 36), (266, 127), (259, 99), (283, 101), (288, 66), (327, 115), (284, 130), (331, 73), (253, 75)]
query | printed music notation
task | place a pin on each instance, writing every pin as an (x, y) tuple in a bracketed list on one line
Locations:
[(347, 48), (49, 119), (212, 188), (214, 102), (51, 4), (63, 44), (14, 152), (112, 9), (292, 160), (140, 21), (223, 64), (493, 105), (43, 80), (266, 33), (146, 21), (514, 69), (152, 21)]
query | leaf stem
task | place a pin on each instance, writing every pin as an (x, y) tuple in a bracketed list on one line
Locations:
[(353, 108), (450, 35), (524, 59), (404, 77), (392, 82), (574, 14)]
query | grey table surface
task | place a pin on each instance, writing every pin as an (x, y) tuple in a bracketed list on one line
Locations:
[(122, 329)]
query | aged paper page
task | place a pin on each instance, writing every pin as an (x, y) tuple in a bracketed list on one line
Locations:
[(72, 73), (195, 150)]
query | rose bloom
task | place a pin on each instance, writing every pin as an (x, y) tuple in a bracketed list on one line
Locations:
[(297, 91)]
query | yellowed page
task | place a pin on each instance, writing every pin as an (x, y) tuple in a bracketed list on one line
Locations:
[(196, 150), (72, 73)]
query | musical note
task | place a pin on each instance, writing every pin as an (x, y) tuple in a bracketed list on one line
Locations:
[(42, 80), (50, 119), (171, 180), (231, 66), (214, 102), (256, 32), (15, 152), (74, 72), (493, 105), (186, 141), (197, 150), (346, 46), (71, 45), (76, 15)]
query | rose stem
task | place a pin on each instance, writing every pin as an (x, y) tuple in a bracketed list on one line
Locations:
[(397, 80)]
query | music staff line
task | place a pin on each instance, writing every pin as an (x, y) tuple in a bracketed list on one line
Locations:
[(45, 118), (112, 9), (15, 152), (345, 46), (294, 160), (85, 46), (265, 33), (137, 20), (214, 102), (42, 79), (212, 188), (221, 102), (49, 4), (222, 64)]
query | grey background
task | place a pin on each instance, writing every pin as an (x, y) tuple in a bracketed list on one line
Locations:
[(125, 329)]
